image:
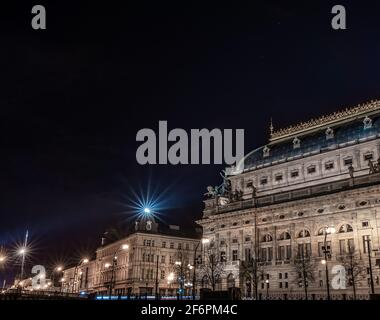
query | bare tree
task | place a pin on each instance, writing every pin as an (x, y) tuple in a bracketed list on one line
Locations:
[(354, 267), (305, 268), (182, 269), (212, 267), (253, 268)]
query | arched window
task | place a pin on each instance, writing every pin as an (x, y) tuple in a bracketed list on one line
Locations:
[(321, 231), (267, 238), (284, 236), (345, 228), (230, 281), (304, 233)]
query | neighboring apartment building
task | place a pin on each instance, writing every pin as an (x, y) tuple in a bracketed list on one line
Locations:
[(310, 180), (153, 259)]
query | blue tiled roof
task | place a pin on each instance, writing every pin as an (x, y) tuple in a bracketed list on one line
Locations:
[(314, 143)]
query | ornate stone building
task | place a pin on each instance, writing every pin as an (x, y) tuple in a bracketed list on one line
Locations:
[(151, 259), (277, 215)]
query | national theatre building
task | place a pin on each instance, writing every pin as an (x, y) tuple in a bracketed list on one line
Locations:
[(304, 210)]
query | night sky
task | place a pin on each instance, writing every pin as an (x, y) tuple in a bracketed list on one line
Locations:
[(73, 97)]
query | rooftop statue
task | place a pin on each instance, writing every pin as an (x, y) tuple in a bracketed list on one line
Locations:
[(223, 190)]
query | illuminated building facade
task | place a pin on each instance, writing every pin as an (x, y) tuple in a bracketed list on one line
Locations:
[(311, 193), (151, 260)]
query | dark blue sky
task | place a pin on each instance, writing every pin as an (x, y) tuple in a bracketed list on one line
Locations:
[(73, 97)]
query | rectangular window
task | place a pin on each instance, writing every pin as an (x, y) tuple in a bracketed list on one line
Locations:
[(294, 174), (162, 274), (263, 254), (281, 253), (179, 246), (187, 246), (247, 239), (308, 249), (163, 244), (351, 246), (247, 253), (366, 240), (347, 161), (171, 261), (234, 255), (320, 250), (301, 251), (234, 240), (342, 247), (171, 245), (286, 275), (163, 258), (365, 224), (329, 165), (223, 256), (288, 252), (280, 285), (311, 169), (278, 177), (270, 254), (286, 285), (320, 283), (280, 275), (368, 156), (262, 285), (264, 181)]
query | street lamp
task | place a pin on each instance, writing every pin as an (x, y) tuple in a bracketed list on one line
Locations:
[(22, 252), (57, 269), (327, 252), (267, 283), (203, 241), (368, 241)]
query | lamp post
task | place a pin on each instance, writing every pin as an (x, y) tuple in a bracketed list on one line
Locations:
[(267, 284), (56, 270), (203, 241), (22, 252), (179, 264), (327, 253), (170, 279), (114, 259), (368, 241)]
